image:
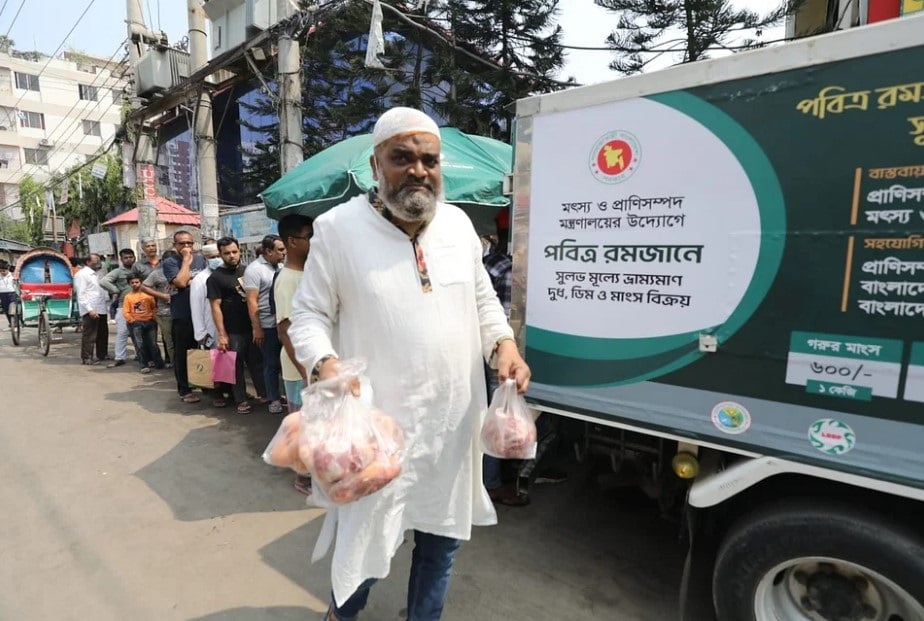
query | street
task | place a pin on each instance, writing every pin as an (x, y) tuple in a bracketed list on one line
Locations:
[(121, 502)]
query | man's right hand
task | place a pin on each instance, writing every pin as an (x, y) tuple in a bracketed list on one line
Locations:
[(93, 314), (187, 253), (331, 368)]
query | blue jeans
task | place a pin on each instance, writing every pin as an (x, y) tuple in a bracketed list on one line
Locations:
[(144, 335), (431, 566), (294, 390), (272, 367)]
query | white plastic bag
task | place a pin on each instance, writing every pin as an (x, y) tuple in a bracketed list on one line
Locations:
[(508, 431), (351, 449), (282, 451)]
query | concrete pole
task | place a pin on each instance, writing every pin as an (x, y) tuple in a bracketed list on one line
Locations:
[(144, 149), (291, 152), (204, 133)]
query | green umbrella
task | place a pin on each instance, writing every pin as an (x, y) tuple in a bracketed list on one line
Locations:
[(473, 177)]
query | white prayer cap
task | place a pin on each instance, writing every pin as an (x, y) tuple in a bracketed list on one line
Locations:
[(210, 249), (402, 120)]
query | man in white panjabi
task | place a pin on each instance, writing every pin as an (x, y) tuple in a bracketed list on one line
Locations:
[(396, 277)]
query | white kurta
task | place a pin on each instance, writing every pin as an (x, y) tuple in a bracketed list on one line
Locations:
[(203, 321), (361, 289)]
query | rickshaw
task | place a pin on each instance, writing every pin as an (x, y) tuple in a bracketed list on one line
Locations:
[(44, 295)]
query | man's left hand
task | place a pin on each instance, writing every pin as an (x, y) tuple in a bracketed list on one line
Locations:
[(258, 336), (510, 364)]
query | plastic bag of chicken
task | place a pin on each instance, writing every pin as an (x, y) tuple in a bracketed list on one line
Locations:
[(351, 449), (282, 451), (508, 431)]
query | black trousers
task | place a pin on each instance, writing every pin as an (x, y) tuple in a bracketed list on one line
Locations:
[(249, 354), (94, 332), (183, 340)]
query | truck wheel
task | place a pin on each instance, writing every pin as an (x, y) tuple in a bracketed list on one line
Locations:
[(819, 562)]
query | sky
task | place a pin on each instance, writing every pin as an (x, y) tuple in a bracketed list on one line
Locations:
[(102, 28)]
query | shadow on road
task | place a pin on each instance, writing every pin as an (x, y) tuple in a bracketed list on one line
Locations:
[(208, 475), (270, 613)]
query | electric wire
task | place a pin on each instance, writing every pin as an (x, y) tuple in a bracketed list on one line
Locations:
[(15, 17)]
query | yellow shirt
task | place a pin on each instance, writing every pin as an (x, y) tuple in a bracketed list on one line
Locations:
[(286, 284)]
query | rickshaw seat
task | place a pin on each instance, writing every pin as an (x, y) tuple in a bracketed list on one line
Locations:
[(57, 291)]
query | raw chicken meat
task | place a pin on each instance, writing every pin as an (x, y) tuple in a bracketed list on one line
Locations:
[(282, 450), (508, 435), (353, 455)]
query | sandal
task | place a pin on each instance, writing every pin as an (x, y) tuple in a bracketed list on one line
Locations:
[(244, 408), (189, 398), (509, 496)]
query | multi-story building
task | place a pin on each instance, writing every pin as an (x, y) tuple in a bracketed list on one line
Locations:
[(54, 113)]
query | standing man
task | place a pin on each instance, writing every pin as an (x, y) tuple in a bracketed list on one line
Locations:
[(149, 259), (258, 282), (204, 330), (7, 290), (232, 320), (397, 276), (156, 285), (179, 272), (295, 232), (93, 305), (116, 283)]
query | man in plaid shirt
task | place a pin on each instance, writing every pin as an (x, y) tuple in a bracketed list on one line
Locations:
[(499, 264)]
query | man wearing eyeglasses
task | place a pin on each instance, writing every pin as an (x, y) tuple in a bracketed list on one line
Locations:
[(179, 272)]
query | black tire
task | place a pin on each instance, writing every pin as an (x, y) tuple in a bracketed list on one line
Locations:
[(44, 333), (762, 541), (15, 323)]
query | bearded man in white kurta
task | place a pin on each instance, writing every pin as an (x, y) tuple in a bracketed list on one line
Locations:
[(396, 277)]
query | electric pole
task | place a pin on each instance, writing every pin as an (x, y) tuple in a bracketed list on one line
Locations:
[(291, 150), (144, 158), (204, 133)]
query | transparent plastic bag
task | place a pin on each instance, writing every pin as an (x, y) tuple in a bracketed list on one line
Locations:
[(282, 451), (509, 431), (351, 448)]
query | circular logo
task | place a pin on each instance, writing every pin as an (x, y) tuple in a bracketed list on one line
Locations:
[(832, 436), (731, 418), (615, 157)]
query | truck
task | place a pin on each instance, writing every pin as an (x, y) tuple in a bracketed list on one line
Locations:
[(719, 268)]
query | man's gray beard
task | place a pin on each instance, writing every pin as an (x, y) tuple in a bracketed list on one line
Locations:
[(409, 205)]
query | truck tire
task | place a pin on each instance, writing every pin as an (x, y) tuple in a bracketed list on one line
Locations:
[(808, 561)]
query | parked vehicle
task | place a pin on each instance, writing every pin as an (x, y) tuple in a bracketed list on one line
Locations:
[(720, 267), (44, 295)]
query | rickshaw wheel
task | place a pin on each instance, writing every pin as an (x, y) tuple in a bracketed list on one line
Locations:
[(15, 323), (44, 334)]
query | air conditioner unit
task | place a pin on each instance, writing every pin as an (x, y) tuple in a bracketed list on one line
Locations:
[(45, 142)]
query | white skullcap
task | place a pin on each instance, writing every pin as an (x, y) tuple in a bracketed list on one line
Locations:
[(401, 120), (210, 249)]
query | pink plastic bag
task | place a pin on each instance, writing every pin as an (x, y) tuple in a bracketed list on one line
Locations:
[(224, 365)]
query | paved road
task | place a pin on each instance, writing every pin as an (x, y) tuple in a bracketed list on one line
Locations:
[(120, 502)]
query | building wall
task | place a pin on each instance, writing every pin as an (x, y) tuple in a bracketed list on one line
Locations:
[(48, 123)]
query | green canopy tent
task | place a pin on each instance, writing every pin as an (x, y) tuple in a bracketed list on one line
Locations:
[(473, 177)]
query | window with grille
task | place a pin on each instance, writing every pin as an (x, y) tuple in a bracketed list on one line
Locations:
[(34, 120), (27, 81), (87, 92), (36, 156), (91, 128)]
